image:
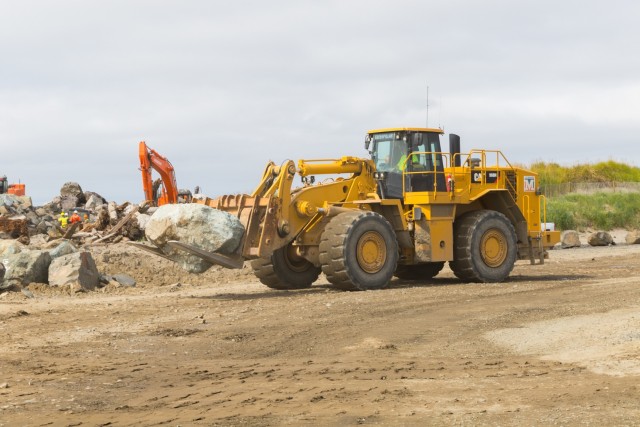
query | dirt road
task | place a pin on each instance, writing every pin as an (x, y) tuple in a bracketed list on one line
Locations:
[(558, 344)]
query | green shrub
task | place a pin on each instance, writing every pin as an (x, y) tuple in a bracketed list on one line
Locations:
[(602, 211)]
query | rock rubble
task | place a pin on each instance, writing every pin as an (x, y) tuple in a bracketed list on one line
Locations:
[(34, 248)]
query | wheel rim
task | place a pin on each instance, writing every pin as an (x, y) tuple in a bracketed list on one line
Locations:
[(494, 248), (293, 261), (371, 252)]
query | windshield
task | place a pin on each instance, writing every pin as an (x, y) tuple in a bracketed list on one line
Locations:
[(388, 153)]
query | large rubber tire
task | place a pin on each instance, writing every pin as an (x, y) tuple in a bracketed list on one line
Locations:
[(358, 251), (419, 271), (282, 270), (484, 247)]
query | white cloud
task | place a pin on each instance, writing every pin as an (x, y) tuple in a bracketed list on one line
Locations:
[(222, 87)]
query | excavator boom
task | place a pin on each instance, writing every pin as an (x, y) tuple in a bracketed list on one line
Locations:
[(152, 160)]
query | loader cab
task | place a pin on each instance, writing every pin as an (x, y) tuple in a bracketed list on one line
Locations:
[(406, 157)]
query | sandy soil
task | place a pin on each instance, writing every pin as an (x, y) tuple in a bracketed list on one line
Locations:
[(556, 344)]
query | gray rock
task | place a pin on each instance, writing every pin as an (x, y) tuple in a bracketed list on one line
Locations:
[(68, 203), (27, 293), (127, 208), (113, 213), (570, 239), (9, 200), (143, 220), (10, 247), (600, 238), (54, 205), (94, 200), (25, 202), (64, 248), (198, 225), (43, 227), (27, 267), (633, 237), (33, 217), (73, 190), (124, 280), (38, 241), (77, 271)]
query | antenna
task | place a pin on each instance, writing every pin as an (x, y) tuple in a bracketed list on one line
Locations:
[(427, 106)]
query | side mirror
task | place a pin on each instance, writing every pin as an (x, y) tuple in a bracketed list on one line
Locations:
[(367, 142)]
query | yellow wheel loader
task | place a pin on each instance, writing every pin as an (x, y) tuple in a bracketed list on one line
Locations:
[(405, 211)]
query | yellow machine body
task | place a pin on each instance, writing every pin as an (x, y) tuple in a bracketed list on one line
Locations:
[(405, 211)]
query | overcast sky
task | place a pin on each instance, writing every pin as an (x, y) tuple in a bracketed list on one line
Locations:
[(220, 88)]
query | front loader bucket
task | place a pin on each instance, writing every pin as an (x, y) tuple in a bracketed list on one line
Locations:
[(212, 257), (259, 217), (226, 261)]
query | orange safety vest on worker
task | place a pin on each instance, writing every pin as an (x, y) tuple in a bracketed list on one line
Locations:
[(75, 218)]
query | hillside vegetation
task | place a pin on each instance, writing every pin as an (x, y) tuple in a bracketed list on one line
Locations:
[(600, 210), (610, 171)]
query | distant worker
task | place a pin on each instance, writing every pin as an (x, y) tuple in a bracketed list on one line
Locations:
[(62, 219), (75, 218), (86, 218)]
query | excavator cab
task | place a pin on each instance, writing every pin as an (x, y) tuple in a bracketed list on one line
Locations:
[(407, 160)]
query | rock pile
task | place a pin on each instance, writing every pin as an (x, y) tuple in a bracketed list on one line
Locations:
[(34, 248), (19, 219)]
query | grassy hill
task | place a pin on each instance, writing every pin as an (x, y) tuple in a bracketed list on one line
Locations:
[(610, 171), (600, 210)]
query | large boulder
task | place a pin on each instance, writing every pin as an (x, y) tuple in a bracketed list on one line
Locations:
[(633, 237), (600, 238), (570, 239), (142, 219), (9, 200), (10, 247), (26, 267), (194, 224), (71, 195), (77, 270), (62, 249), (93, 200)]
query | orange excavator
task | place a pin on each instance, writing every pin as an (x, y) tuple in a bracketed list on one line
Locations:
[(15, 189), (163, 190)]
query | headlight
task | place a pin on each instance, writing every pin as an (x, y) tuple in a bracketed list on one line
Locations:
[(379, 175)]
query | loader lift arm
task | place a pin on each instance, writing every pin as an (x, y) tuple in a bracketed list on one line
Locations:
[(151, 159)]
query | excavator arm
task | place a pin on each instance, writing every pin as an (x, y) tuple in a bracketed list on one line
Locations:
[(151, 159)]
